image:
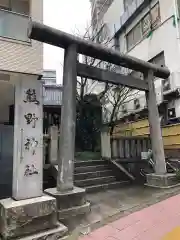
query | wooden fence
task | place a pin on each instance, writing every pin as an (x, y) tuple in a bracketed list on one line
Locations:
[(129, 147)]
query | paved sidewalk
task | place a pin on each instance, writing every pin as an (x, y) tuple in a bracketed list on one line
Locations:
[(157, 222)]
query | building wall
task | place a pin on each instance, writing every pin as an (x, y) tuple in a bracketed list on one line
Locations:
[(24, 57), (163, 39), (114, 12)]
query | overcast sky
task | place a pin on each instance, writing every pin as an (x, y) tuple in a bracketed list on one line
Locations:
[(66, 15)]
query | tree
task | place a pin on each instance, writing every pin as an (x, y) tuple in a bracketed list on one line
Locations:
[(111, 97)]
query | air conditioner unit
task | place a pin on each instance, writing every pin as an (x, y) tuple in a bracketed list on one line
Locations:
[(172, 83), (136, 104)]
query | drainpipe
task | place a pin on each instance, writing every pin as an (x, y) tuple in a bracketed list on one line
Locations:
[(176, 23)]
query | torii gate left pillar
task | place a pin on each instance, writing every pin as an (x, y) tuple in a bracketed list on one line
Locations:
[(70, 199)]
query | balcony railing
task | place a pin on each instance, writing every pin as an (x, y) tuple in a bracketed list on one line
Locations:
[(14, 25)]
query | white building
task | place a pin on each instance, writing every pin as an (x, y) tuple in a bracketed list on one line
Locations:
[(21, 65), (148, 30)]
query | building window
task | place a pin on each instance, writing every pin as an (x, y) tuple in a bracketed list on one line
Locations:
[(146, 24), (134, 36), (155, 15)]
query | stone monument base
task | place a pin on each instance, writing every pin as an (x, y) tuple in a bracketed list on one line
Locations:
[(71, 203), (167, 180), (30, 219)]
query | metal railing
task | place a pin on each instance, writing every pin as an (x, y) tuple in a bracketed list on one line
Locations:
[(14, 25)]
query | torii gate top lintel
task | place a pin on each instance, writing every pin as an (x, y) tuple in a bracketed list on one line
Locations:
[(46, 34)]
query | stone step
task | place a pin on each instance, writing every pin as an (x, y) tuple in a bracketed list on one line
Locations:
[(88, 175), (73, 211), (51, 234), (94, 181), (89, 163), (102, 187), (94, 168)]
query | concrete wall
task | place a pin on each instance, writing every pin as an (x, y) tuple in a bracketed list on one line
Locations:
[(21, 56)]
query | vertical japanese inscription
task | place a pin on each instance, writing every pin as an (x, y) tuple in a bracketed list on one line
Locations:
[(31, 118), (30, 96), (31, 144)]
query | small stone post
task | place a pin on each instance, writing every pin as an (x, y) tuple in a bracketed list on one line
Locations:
[(68, 122), (53, 148), (105, 144), (154, 123)]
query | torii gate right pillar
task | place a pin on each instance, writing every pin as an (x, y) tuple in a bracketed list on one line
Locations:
[(160, 178)]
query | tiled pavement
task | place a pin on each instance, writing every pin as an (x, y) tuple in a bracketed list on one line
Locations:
[(157, 222)]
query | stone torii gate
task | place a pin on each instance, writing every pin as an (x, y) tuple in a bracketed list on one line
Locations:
[(74, 45), (72, 68), (32, 211)]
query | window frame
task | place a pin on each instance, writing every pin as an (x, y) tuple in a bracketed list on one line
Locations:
[(144, 34)]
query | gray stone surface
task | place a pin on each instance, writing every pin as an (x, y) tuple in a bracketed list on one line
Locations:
[(162, 180), (28, 139), (52, 234), (20, 218), (111, 205), (53, 148), (154, 125), (68, 121), (68, 199), (70, 203), (73, 211)]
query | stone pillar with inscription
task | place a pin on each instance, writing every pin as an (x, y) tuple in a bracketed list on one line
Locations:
[(29, 213), (28, 140)]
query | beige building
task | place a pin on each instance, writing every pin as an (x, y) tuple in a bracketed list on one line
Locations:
[(21, 65)]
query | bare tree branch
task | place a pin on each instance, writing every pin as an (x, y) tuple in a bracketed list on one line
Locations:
[(112, 97)]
